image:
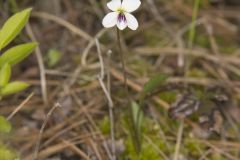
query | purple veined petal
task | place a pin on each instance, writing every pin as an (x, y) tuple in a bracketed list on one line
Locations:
[(130, 5), (114, 5), (132, 22), (121, 21), (110, 19)]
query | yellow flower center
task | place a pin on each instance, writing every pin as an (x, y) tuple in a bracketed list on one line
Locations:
[(120, 10)]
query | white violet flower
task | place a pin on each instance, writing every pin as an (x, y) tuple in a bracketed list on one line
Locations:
[(121, 15)]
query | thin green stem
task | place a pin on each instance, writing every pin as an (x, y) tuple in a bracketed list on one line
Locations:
[(123, 64), (192, 32), (135, 134)]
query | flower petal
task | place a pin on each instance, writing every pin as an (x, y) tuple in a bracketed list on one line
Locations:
[(114, 5), (132, 22), (130, 5), (121, 22), (110, 19)]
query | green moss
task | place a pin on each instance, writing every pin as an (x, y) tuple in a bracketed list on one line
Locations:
[(147, 153), (193, 147), (7, 154), (105, 125), (202, 40), (229, 49), (217, 156), (197, 73), (168, 96)]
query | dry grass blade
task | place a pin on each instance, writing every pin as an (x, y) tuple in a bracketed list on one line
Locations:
[(110, 101), (35, 155), (76, 149), (179, 140), (64, 23), (41, 65), (20, 106)]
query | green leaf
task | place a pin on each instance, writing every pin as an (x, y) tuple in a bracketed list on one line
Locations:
[(137, 114), (13, 26), (152, 84), (5, 126), (53, 57), (16, 54), (6, 154), (5, 74), (13, 87)]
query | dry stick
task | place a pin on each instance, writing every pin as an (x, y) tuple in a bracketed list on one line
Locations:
[(110, 102), (215, 49), (41, 65), (111, 113), (204, 155), (94, 147), (35, 155), (93, 124), (77, 150), (220, 150), (196, 53), (58, 134), (62, 22), (52, 150), (90, 45), (179, 139), (150, 51), (20, 106)]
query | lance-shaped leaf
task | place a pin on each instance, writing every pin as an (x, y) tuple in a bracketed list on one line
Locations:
[(5, 126), (152, 84), (137, 116), (16, 54), (5, 74), (13, 26), (12, 88)]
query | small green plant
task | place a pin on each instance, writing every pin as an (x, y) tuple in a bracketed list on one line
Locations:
[(9, 58), (13, 55), (53, 57), (137, 113)]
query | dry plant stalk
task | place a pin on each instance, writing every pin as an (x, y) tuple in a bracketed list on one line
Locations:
[(110, 102), (20, 106), (35, 154)]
